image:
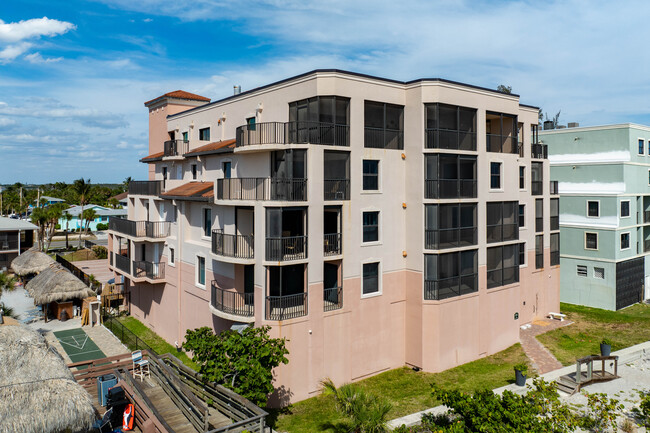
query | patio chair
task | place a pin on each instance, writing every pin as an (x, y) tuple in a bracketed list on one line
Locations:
[(140, 365)]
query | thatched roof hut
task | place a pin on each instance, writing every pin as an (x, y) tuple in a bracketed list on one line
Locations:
[(57, 284), (37, 391), (31, 261)]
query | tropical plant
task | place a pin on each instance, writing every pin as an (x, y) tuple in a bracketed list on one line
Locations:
[(112, 202), (504, 89), (88, 216), (606, 341), (67, 217), (8, 311), (642, 413), (82, 188), (7, 282), (242, 361), (100, 252), (601, 412), (365, 412), (46, 218)]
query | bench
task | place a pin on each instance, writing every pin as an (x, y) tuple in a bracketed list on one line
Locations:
[(559, 316)]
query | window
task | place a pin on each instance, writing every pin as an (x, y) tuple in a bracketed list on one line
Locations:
[(451, 274), (171, 256), (200, 270), (593, 209), (164, 173), (384, 125), (522, 253), (370, 226), (641, 147), (599, 273), (207, 222), (450, 127), (522, 215), (555, 214), (250, 121), (625, 209), (501, 132), (227, 169), (370, 278), (320, 120), (581, 270), (591, 241), (539, 215), (450, 225), (502, 224), (370, 175), (450, 176), (502, 265), (625, 241), (193, 171), (555, 249), (186, 136), (495, 175), (537, 178), (522, 177), (336, 175), (539, 251), (204, 134)]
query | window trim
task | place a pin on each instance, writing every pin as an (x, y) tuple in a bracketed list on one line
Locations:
[(597, 241), (629, 241), (379, 231), (379, 186), (500, 188), (202, 128), (205, 271), (629, 209), (379, 291), (587, 210), (518, 215)]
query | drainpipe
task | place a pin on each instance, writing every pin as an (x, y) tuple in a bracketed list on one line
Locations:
[(179, 264)]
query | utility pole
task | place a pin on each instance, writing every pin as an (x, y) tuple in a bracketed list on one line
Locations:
[(20, 210)]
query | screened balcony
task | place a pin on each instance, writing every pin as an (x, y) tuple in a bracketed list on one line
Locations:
[(450, 176), (298, 132), (262, 188), (145, 187), (175, 148), (287, 298), (232, 302), (383, 125), (123, 263), (501, 132), (450, 226), (285, 234), (539, 151), (140, 229), (450, 127), (286, 248), (332, 228), (450, 275), (236, 246)]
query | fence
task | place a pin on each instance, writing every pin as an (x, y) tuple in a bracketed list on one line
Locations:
[(126, 336), (94, 285)]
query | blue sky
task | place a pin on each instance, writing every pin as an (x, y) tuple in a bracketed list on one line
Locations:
[(72, 86)]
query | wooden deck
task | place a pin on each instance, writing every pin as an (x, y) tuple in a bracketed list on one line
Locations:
[(572, 383)]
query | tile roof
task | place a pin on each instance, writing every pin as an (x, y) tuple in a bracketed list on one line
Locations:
[(199, 191), (121, 197), (215, 147), (180, 94), (153, 157)]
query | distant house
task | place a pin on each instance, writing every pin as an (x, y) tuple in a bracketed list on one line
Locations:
[(51, 200), (122, 199), (103, 213), (16, 236)]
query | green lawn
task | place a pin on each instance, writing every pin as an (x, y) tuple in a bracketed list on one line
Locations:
[(154, 340), (407, 390), (625, 328)]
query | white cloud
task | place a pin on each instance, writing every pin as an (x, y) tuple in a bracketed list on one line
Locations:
[(37, 58), (31, 29), (52, 109), (10, 52), (5, 122)]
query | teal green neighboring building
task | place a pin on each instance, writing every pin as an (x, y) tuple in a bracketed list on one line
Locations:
[(603, 175)]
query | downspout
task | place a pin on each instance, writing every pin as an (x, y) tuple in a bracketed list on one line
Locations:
[(179, 238)]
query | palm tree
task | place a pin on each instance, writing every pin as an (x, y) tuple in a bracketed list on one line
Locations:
[(112, 202), (53, 213), (7, 282), (40, 218), (67, 218), (89, 216), (126, 183), (82, 188)]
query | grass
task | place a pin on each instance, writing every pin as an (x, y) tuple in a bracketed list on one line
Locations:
[(407, 390), (154, 340), (80, 255), (624, 328)]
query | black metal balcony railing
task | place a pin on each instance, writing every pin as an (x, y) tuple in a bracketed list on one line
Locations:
[(502, 277), (332, 244), (337, 189), (502, 143), (333, 298), (555, 223), (539, 151), (153, 271), (140, 229), (553, 187), (231, 302), (145, 187), (646, 217), (646, 245), (450, 238), (176, 147), (555, 258), (449, 139), (450, 188), (537, 187), (236, 246), (8, 244), (262, 188), (299, 132), (123, 263), (450, 287), (379, 138), (286, 307), (502, 232), (286, 248)]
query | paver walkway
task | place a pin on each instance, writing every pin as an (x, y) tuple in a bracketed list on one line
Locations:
[(543, 360)]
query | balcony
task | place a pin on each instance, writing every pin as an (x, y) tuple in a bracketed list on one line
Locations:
[(286, 307), (502, 143), (175, 148), (539, 151), (646, 217), (232, 246), (646, 245), (122, 263), (9, 244), (140, 229), (451, 139), (336, 189), (148, 270), (333, 298), (379, 138), (435, 290), (285, 249), (450, 188), (553, 187), (537, 187), (145, 187), (262, 188), (232, 303), (450, 238), (301, 132), (332, 244)]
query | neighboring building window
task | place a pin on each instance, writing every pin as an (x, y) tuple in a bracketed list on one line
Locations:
[(207, 222), (450, 127), (450, 176), (370, 226), (581, 270), (555, 214), (171, 256), (186, 136), (625, 241), (204, 134), (539, 251), (522, 215), (502, 224), (593, 209), (522, 177), (370, 278), (200, 270), (227, 169), (625, 209), (450, 225), (522, 253), (370, 175), (591, 241), (451, 274), (539, 215), (384, 125), (599, 273), (641, 147), (555, 249), (502, 265), (194, 171), (537, 178), (495, 175)]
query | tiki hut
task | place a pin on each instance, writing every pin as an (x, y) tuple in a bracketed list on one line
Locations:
[(31, 261), (37, 391)]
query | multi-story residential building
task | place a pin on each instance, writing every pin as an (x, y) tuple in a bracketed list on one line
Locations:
[(16, 236), (373, 223), (603, 174)]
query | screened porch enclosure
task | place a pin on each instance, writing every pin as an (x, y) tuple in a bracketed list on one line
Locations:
[(501, 132), (451, 274), (286, 297), (336, 176), (286, 237), (332, 241), (289, 175)]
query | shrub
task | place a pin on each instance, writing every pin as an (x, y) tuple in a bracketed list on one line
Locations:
[(642, 413), (102, 226), (522, 367), (606, 341), (601, 412), (100, 252)]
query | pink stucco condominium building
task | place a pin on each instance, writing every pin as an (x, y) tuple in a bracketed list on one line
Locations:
[(373, 223)]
